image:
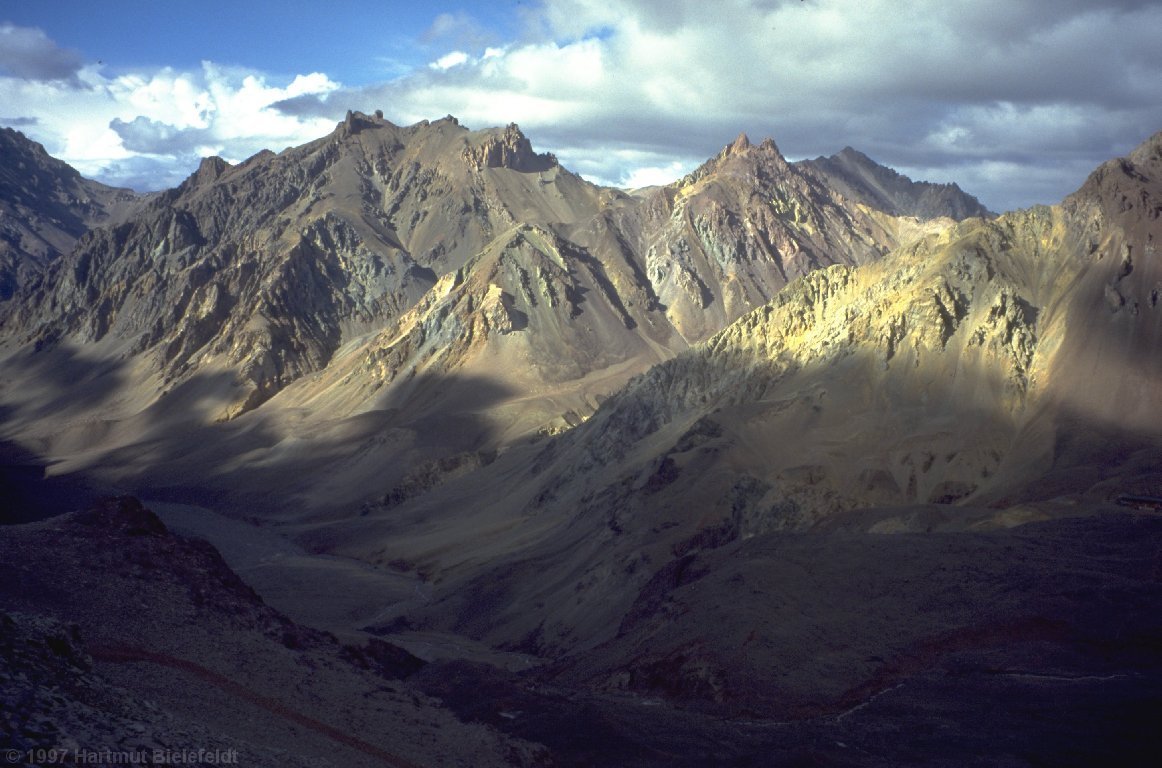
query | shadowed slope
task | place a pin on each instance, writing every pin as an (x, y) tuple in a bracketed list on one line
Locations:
[(156, 644), (859, 178)]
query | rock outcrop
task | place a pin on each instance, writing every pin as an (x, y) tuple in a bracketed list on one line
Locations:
[(510, 149)]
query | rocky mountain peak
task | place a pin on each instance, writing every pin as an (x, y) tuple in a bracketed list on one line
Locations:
[(852, 155), (1125, 188), (384, 249), (741, 156), (16, 148), (740, 144), (768, 145), (508, 148), (1149, 152), (355, 122), (209, 170)]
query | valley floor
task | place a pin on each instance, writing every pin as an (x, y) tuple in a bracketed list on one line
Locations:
[(1039, 644)]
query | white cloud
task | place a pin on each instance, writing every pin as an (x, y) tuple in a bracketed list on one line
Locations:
[(649, 176), (969, 86), (150, 129), (460, 29), (449, 60)]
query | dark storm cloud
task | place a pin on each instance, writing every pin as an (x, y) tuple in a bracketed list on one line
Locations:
[(309, 105), (1018, 98), (156, 138), (29, 54)]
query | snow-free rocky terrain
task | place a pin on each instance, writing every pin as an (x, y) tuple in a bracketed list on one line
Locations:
[(785, 463)]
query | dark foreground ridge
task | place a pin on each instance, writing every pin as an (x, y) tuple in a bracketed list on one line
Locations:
[(919, 650)]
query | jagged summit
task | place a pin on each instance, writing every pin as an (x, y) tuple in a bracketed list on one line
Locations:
[(741, 143), (209, 171), (506, 147), (740, 155)]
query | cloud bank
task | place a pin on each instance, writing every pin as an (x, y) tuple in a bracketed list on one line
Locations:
[(149, 130), (1017, 102)]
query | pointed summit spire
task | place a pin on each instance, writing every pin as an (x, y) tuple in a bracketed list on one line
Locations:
[(741, 143)]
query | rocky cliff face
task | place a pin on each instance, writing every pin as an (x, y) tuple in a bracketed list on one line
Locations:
[(45, 206), (267, 268)]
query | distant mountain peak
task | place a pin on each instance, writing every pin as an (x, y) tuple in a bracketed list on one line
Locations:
[(860, 178), (739, 150), (1126, 186), (1149, 151), (45, 205), (852, 154), (768, 145)]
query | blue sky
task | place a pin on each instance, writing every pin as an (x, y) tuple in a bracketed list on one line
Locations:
[(1017, 100), (355, 41)]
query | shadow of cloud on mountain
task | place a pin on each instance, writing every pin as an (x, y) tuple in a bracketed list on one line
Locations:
[(836, 634), (59, 381), (268, 464), (49, 387)]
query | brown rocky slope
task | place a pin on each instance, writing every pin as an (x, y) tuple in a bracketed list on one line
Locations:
[(870, 522)]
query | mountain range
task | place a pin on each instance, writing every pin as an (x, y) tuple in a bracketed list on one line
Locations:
[(764, 448)]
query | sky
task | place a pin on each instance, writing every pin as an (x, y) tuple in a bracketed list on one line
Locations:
[(1015, 100)]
